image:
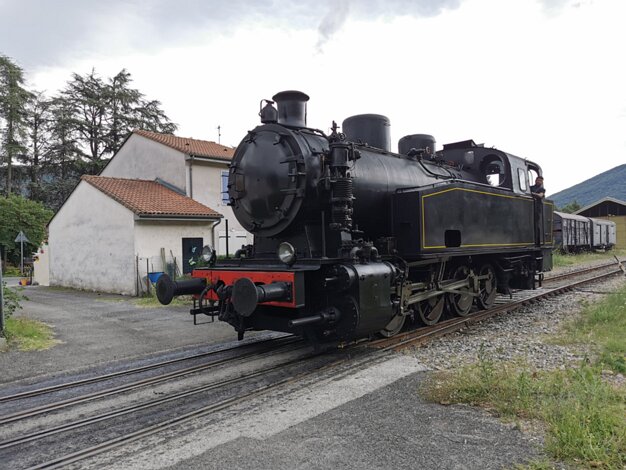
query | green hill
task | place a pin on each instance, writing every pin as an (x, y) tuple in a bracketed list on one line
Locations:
[(610, 183)]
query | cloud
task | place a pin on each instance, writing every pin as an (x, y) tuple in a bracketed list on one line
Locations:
[(50, 33), (332, 22), (45, 33), (339, 11)]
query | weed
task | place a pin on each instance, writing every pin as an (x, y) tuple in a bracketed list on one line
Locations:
[(29, 335), (584, 414), (560, 259), (12, 299), (603, 326)]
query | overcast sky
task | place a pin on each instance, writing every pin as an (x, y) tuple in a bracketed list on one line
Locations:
[(542, 79)]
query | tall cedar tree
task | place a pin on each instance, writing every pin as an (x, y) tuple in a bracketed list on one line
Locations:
[(38, 120), (87, 99), (13, 100), (104, 113), (63, 154), (64, 146)]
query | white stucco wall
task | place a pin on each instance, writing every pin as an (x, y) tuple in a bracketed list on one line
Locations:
[(146, 159), (152, 235), (207, 189), (91, 243)]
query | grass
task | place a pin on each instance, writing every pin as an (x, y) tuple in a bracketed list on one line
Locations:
[(29, 335), (151, 301), (584, 414), (603, 327), (561, 260)]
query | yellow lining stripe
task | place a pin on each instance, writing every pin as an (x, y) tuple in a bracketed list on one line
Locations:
[(485, 244), (527, 198), (424, 247)]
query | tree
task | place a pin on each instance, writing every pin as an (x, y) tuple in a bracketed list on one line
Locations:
[(63, 161), (18, 213), (571, 207), (104, 113), (87, 101), (13, 100), (129, 109), (38, 120)]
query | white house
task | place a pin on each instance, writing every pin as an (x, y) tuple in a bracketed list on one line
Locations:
[(152, 208), (111, 232)]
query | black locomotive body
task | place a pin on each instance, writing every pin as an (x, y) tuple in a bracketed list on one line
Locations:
[(351, 239)]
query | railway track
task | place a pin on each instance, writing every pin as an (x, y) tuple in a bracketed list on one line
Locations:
[(228, 391), (135, 370), (259, 348)]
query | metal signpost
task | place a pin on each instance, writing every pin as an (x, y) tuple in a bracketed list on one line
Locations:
[(21, 238)]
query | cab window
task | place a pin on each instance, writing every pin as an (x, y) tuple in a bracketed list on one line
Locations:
[(522, 179)]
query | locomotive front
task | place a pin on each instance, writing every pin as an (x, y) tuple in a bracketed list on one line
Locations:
[(274, 174), (311, 270)]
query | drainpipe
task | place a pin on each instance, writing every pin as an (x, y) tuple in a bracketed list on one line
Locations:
[(219, 221), (190, 176)]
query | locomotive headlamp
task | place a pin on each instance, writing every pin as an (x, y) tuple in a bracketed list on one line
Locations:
[(207, 253), (286, 253)]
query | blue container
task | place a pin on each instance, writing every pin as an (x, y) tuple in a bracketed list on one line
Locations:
[(154, 277)]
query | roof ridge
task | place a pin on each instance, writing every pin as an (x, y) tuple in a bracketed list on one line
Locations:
[(189, 145), (114, 178), (144, 131)]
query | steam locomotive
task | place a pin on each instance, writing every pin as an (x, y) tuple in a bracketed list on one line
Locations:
[(352, 239)]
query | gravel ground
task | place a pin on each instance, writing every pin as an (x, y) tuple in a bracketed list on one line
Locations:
[(520, 335)]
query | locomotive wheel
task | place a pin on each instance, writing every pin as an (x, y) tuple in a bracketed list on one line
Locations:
[(394, 327), (488, 287), (430, 310), (460, 304)]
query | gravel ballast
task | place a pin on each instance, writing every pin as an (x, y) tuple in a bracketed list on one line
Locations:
[(519, 335)]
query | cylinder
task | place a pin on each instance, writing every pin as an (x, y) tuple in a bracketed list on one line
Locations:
[(418, 142), (291, 108), (370, 129)]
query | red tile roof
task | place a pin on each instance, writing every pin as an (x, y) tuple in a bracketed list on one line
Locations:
[(195, 147), (149, 197)]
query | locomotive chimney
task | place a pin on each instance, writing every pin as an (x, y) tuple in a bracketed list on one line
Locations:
[(371, 129), (291, 108)]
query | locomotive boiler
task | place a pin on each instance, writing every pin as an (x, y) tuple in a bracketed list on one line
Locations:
[(352, 239)]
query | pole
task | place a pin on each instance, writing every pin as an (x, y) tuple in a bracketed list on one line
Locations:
[(22, 256), (147, 276), (1, 302), (227, 236)]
